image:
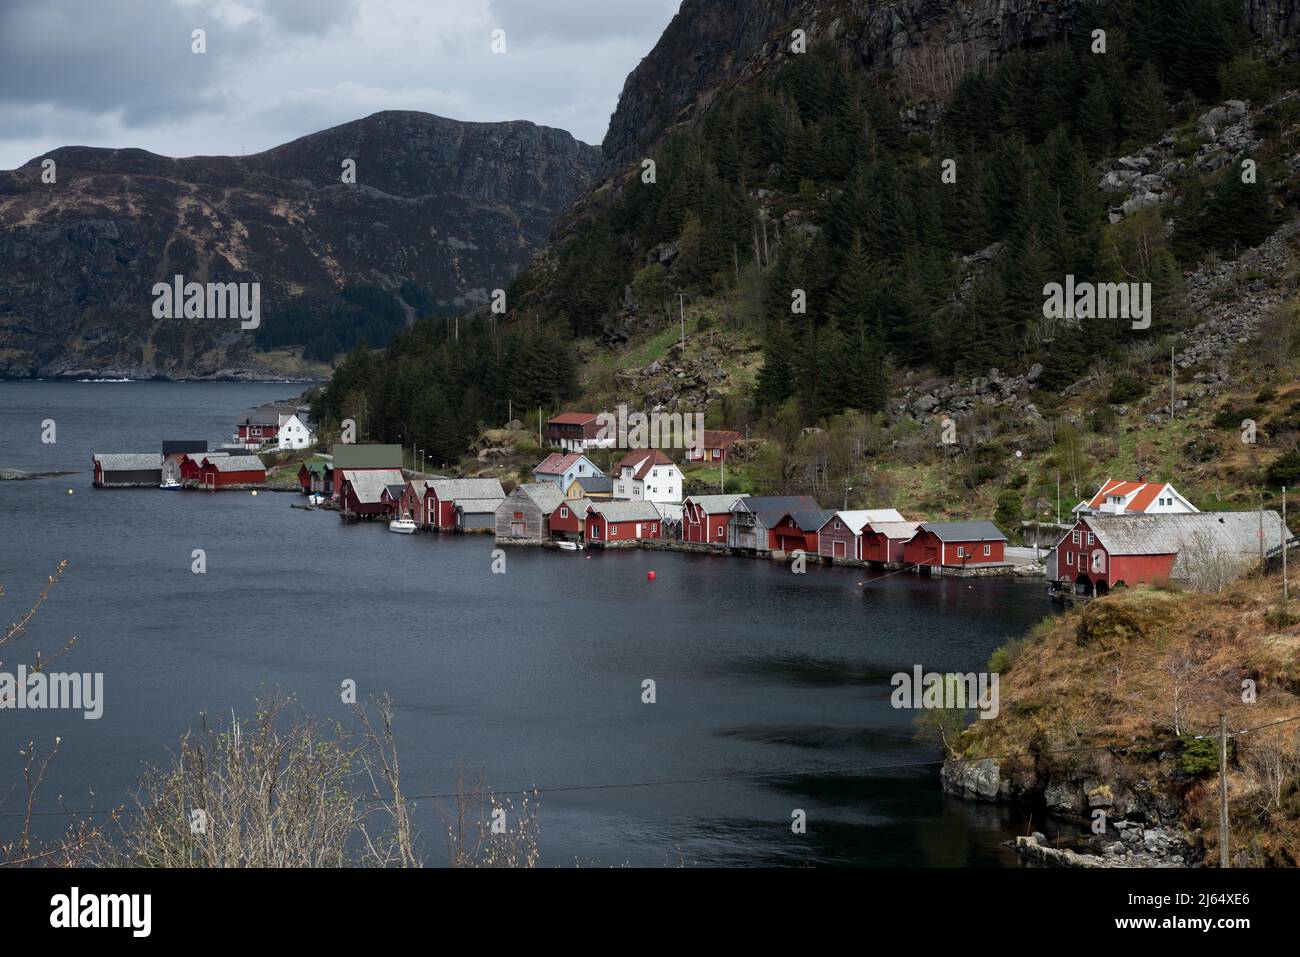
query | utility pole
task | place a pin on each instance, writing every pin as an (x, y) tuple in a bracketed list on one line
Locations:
[(1260, 513), (1286, 534), (539, 427), (1058, 498), (681, 307), (1223, 790), (724, 473), (847, 488)]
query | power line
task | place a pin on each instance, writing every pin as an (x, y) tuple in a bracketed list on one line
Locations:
[(752, 775)]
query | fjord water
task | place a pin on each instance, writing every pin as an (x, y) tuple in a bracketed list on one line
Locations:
[(772, 688)]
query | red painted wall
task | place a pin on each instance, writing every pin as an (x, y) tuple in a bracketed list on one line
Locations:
[(571, 523), (702, 528), (830, 535)]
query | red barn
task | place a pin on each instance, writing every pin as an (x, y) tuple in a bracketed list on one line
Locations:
[(1103, 552), (618, 523), (445, 495), (230, 471), (841, 535), (798, 531), (569, 520), (363, 491), (956, 545), (705, 518), (884, 542)]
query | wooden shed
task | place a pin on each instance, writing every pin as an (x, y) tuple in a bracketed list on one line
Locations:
[(956, 545), (127, 469), (524, 516), (622, 523)]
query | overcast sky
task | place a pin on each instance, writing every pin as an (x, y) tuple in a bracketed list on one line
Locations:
[(120, 73)]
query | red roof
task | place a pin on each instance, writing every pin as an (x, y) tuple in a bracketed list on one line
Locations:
[(1146, 493), (642, 460), (557, 463), (572, 418), (718, 438)]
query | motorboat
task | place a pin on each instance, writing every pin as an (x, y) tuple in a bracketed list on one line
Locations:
[(403, 526)]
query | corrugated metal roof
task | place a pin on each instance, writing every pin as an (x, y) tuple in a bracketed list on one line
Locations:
[(456, 489), (714, 504), (368, 484), (129, 461), (978, 531), (627, 511), (237, 463), (545, 495), (856, 519), (476, 505), (1196, 538), (895, 529)]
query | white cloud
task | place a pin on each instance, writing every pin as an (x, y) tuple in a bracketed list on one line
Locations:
[(122, 74)]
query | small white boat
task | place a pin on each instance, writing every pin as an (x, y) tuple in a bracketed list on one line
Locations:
[(171, 486), (571, 546), (403, 526), (316, 499)]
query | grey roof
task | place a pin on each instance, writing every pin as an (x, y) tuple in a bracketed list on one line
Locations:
[(595, 483), (395, 491), (477, 506), (237, 463), (545, 495), (858, 519), (200, 456), (129, 461), (457, 489), (368, 484), (895, 529), (628, 511), (1196, 538), (810, 521), (979, 531), (367, 456), (714, 504), (772, 508)]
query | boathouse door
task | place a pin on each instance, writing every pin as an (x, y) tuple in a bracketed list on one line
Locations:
[(838, 549)]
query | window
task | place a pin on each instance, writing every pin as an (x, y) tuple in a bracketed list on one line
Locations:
[(1091, 539), (564, 512), (837, 523), (1069, 558), (613, 531), (988, 549), (582, 468), (961, 551), (654, 473), (722, 530), (1075, 537)]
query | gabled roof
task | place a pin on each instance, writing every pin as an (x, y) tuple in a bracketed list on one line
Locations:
[(557, 463), (578, 506), (772, 508), (641, 461), (368, 485), (626, 511), (717, 439), (545, 495), (1137, 496), (572, 418), (235, 463), (129, 461), (348, 456), (854, 520), (595, 483), (903, 530), (713, 504), (476, 506), (457, 489), (1196, 538), (811, 520), (182, 446), (198, 457), (978, 531), (394, 491), (319, 464)]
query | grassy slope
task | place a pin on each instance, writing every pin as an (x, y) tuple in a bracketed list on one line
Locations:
[(1116, 672)]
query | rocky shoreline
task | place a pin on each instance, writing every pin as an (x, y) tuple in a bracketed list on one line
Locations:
[(1142, 830)]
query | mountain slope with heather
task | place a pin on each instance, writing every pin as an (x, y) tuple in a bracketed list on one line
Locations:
[(441, 213)]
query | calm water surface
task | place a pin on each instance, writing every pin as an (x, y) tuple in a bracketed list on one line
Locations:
[(768, 684)]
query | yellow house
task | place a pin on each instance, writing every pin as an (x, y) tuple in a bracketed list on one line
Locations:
[(591, 486)]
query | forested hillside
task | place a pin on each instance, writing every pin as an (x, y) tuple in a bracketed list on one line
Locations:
[(852, 234)]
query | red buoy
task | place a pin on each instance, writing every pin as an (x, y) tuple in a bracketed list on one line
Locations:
[(650, 576)]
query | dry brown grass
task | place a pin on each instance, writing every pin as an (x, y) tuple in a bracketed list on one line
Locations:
[(1115, 689)]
